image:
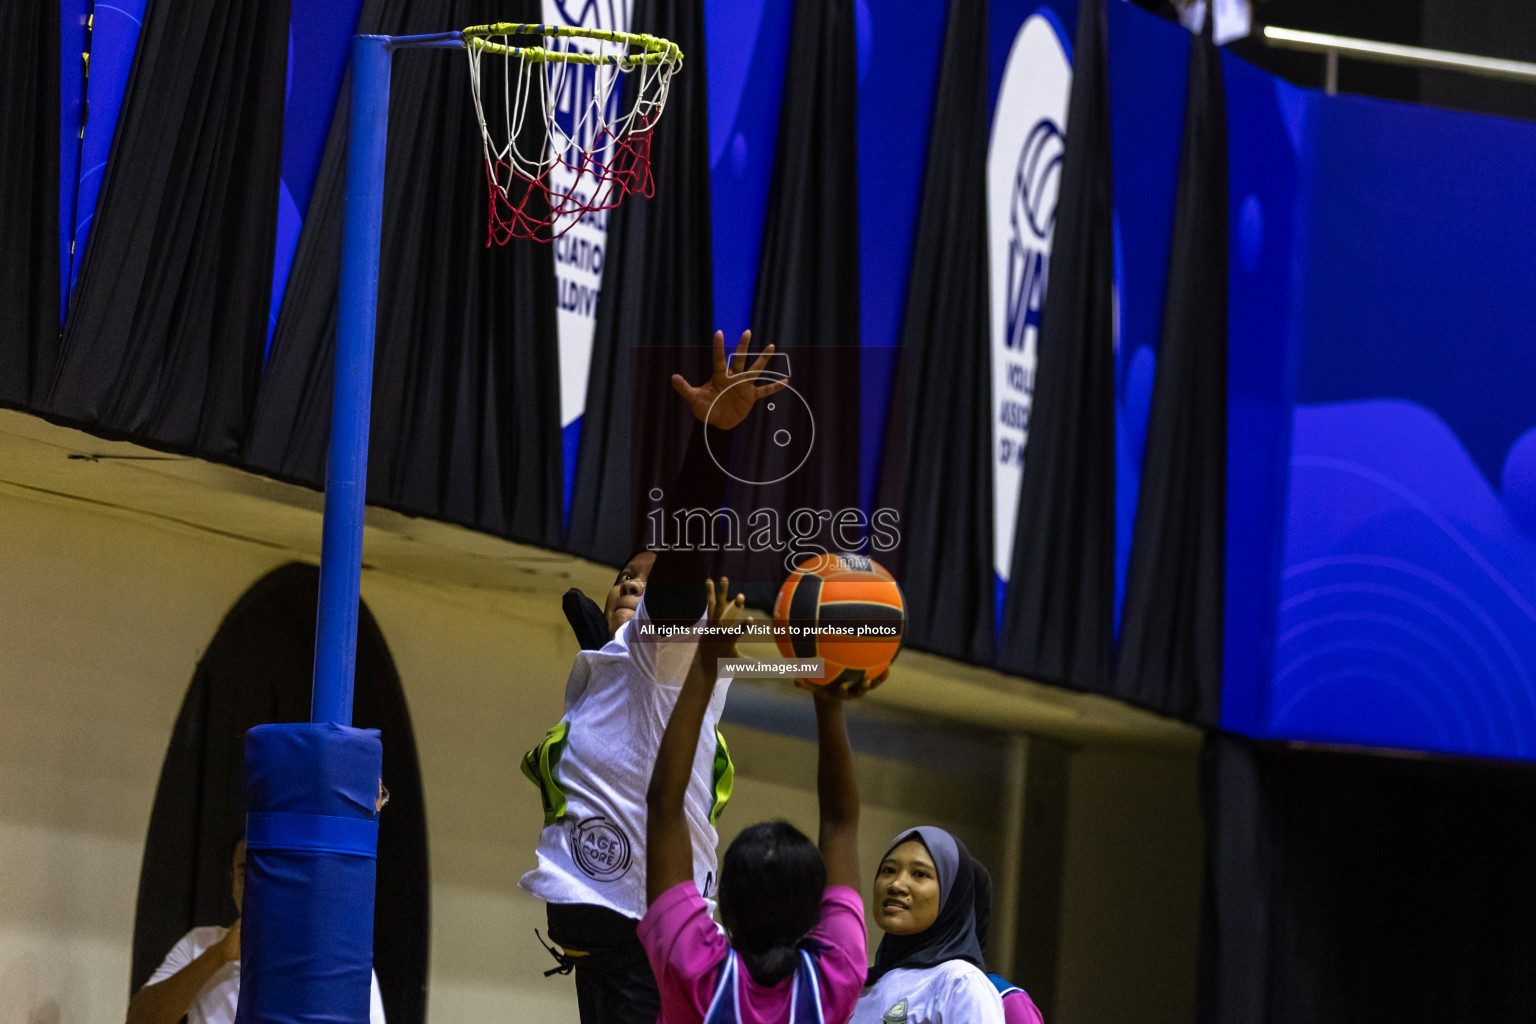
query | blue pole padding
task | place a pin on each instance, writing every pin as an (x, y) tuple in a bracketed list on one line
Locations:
[(341, 546), (306, 942)]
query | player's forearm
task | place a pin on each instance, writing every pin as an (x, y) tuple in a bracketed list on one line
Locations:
[(674, 591), (166, 1002), (838, 795), (836, 788), (669, 849)]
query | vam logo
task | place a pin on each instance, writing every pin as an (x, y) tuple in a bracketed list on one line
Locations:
[(574, 86), (608, 15), (1024, 157)]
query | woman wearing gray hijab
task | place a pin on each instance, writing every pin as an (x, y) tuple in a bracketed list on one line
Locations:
[(928, 968)]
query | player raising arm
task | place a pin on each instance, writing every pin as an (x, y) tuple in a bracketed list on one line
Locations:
[(795, 949), (592, 768)]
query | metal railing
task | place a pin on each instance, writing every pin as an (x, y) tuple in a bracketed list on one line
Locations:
[(1393, 53)]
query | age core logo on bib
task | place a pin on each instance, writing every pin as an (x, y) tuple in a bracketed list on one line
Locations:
[(600, 849), (896, 1014)]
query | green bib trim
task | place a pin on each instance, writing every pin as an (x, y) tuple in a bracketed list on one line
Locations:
[(540, 765), (723, 778)]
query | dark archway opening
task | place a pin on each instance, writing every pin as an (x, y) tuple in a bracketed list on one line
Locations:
[(257, 670)]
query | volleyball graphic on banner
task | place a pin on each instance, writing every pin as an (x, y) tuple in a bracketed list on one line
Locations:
[(1024, 158)]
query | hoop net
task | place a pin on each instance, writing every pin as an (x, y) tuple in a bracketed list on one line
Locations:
[(596, 152)]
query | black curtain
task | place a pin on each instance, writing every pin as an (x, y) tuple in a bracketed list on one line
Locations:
[(465, 414), (658, 292), (1171, 633), (1238, 888), (257, 669), (1059, 614), (166, 328), (807, 291), (949, 589), (1493, 28), (1349, 887), (29, 198)]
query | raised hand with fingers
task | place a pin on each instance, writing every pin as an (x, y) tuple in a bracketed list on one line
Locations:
[(725, 613), (724, 610), (724, 400)]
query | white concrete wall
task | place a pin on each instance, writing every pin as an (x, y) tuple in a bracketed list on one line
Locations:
[(103, 616)]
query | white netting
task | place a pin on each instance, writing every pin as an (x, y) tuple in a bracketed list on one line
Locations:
[(582, 152)]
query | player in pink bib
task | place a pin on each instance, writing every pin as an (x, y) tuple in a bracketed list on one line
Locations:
[(793, 948)]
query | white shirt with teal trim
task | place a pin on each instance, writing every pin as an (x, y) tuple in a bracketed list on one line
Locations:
[(599, 760)]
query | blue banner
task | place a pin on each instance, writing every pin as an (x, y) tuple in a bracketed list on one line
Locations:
[(1407, 612), (1264, 132)]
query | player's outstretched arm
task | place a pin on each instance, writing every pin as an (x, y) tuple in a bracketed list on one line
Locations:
[(669, 851), (837, 792), (719, 405)]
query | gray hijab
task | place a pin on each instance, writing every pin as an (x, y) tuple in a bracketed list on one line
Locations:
[(952, 936)]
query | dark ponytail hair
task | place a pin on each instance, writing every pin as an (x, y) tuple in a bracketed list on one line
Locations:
[(771, 885)]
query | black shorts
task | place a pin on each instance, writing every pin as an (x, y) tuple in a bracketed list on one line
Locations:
[(614, 983)]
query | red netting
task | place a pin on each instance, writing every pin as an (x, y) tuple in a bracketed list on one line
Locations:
[(614, 167)]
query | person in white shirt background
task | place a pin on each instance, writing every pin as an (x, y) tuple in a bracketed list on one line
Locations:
[(200, 977), (928, 967)]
